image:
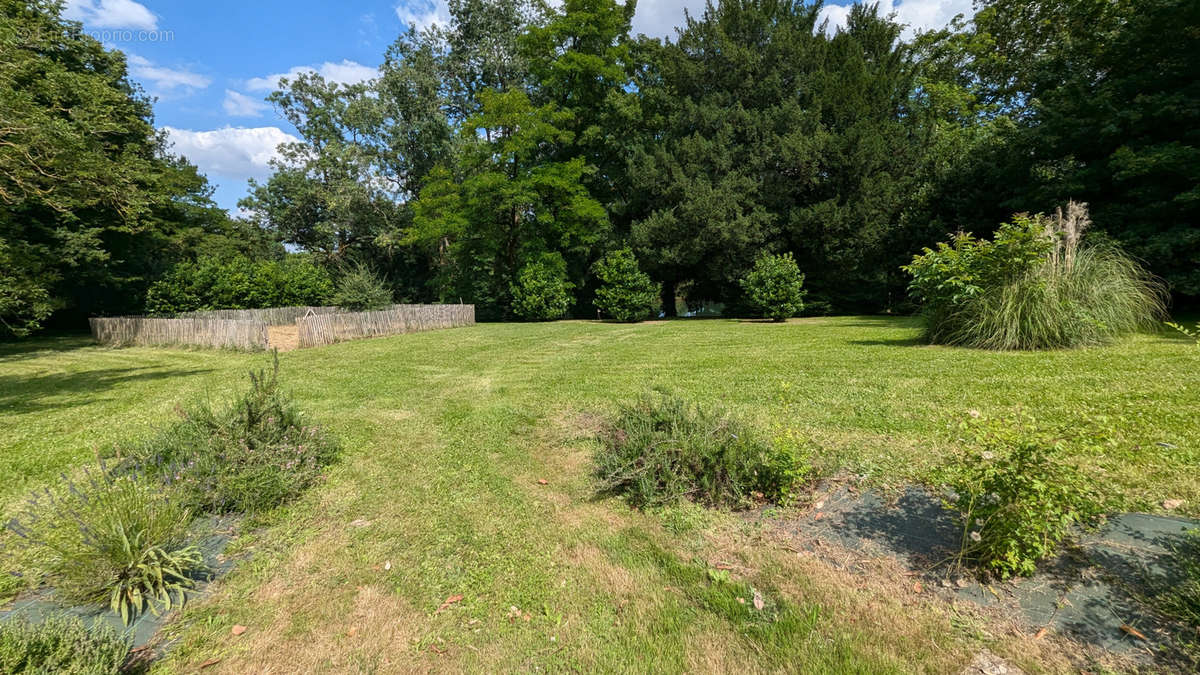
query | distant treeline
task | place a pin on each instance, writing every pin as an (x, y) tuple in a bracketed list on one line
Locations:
[(519, 134)]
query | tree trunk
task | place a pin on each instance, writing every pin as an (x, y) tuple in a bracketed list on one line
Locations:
[(668, 299)]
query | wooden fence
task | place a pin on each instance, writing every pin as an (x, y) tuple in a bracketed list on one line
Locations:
[(142, 331), (272, 316), (314, 331)]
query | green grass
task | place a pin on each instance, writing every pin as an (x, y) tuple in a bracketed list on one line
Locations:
[(446, 435)]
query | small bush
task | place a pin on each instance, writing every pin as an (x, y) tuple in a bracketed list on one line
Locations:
[(361, 290), (775, 286), (256, 455), (112, 539), (626, 293), (542, 292), (60, 644), (662, 449), (240, 283), (1035, 286), (1016, 495)]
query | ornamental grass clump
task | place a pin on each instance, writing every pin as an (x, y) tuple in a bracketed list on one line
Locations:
[(1016, 494), (112, 539), (1036, 285), (253, 456), (662, 449)]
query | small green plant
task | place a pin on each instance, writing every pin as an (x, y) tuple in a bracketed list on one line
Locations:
[(1016, 496), (251, 457), (662, 449), (775, 286), (112, 539), (1034, 286), (626, 293), (361, 290), (60, 644), (542, 292), (1193, 333)]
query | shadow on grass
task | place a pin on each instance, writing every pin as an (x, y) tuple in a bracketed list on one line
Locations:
[(23, 349), (890, 342), (23, 394)]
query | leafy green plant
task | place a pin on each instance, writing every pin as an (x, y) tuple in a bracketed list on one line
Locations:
[(1016, 496), (1034, 286), (60, 644), (112, 539), (626, 293), (542, 292), (250, 457), (1193, 333), (240, 283), (662, 449), (361, 290), (775, 286)]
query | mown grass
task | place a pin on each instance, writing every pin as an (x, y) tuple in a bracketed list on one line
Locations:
[(447, 434)]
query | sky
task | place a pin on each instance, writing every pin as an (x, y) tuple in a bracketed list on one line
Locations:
[(209, 65)]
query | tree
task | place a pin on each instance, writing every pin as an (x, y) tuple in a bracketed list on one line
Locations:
[(626, 293), (506, 203), (541, 291), (775, 286), (92, 205)]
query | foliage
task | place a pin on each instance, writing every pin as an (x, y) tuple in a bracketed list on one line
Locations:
[(542, 292), (775, 286), (1034, 286), (92, 205), (240, 283), (60, 644), (1193, 333), (251, 457), (112, 539), (662, 449), (626, 293), (359, 289), (1018, 494)]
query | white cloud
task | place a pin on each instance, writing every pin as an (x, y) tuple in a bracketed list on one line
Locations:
[(423, 13), (111, 14), (240, 105), (160, 80), (660, 18), (917, 15), (237, 153), (346, 72)]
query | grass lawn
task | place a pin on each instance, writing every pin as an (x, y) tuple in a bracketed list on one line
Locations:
[(448, 433)]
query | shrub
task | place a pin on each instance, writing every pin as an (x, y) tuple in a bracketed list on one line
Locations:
[(256, 455), (662, 449), (626, 293), (60, 644), (1016, 496), (542, 292), (1035, 286), (240, 283), (775, 286), (112, 539), (361, 290)]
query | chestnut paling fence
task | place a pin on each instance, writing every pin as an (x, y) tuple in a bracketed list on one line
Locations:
[(314, 331), (247, 329), (120, 331)]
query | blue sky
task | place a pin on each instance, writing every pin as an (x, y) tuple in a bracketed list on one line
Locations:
[(210, 64)]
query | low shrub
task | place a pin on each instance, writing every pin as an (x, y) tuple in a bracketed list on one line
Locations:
[(626, 293), (1036, 285), (662, 449), (240, 283), (112, 539), (60, 644), (542, 292), (775, 286), (1016, 494), (361, 290), (251, 457)]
